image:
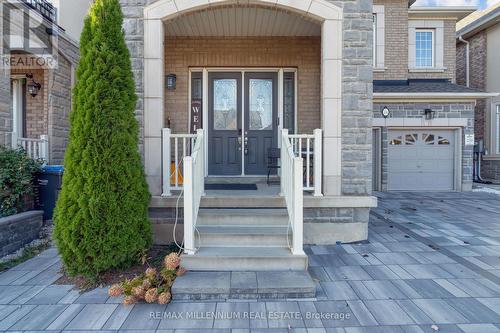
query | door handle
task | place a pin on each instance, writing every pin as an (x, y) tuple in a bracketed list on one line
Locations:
[(246, 145), (239, 143)]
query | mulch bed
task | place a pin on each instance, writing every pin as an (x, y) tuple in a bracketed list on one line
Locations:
[(154, 257)]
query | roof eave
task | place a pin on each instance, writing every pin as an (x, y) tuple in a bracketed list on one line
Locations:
[(459, 12), (480, 24)]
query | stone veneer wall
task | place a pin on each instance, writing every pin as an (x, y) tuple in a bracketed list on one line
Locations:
[(357, 88), (19, 230), (414, 110)]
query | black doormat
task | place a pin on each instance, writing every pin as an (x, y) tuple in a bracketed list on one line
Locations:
[(231, 187)]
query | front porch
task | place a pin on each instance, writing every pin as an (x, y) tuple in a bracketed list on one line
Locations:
[(227, 85)]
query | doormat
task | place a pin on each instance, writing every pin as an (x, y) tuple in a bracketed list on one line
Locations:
[(231, 187)]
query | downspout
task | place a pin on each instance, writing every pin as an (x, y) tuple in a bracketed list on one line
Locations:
[(467, 62)]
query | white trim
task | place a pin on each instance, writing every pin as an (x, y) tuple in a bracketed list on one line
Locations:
[(495, 130), (437, 27), (379, 37), (434, 95), (419, 122), (17, 107)]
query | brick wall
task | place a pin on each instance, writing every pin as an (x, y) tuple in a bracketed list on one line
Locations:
[(302, 53), (396, 40), (449, 60), (396, 45)]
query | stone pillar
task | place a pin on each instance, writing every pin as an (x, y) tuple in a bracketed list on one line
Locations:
[(153, 101), (331, 105)]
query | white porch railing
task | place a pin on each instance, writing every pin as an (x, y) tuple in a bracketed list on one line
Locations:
[(309, 147), (292, 190), (35, 148), (194, 189), (174, 148)]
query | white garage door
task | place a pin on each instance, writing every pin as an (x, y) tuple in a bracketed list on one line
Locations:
[(421, 160)]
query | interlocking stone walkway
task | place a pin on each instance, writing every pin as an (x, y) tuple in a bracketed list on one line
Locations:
[(432, 259)]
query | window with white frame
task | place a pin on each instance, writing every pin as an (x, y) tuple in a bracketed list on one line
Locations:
[(497, 120), (424, 48), (378, 37), (426, 45)]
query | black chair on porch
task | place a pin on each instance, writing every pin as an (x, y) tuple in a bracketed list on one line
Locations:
[(273, 156)]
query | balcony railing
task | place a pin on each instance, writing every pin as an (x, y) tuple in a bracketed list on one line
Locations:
[(37, 149), (45, 8)]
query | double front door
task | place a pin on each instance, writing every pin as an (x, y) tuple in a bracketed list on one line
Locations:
[(242, 122)]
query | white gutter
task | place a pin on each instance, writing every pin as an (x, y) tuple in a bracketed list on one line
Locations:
[(449, 95), (467, 60)]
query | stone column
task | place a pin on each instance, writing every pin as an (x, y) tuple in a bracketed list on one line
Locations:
[(153, 101)]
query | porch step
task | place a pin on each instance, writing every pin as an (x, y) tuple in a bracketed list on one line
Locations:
[(243, 285), (239, 217), (244, 258), (242, 235)]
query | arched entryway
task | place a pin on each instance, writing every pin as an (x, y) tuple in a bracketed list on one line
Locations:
[(162, 15)]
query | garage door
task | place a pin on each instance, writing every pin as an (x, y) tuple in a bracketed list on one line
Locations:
[(421, 160)]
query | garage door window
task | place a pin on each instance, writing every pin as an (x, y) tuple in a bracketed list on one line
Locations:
[(443, 141), (411, 139), (428, 139), (397, 141)]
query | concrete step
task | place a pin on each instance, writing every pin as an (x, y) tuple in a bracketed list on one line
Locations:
[(243, 285), (247, 216), (244, 259), (242, 235)]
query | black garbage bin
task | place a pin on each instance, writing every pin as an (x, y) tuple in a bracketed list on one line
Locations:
[(49, 184)]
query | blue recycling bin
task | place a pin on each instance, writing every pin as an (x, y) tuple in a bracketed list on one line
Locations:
[(49, 184)]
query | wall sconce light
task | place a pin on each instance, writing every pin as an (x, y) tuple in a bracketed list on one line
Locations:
[(385, 112), (171, 81), (33, 87), (428, 114)]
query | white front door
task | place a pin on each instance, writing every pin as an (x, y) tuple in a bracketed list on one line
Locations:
[(421, 160)]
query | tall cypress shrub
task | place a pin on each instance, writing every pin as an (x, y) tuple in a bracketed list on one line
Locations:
[(101, 220)]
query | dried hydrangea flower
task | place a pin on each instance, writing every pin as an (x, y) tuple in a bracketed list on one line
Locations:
[(151, 295), (151, 273), (129, 300), (115, 290), (172, 261), (138, 292), (146, 284), (164, 297)]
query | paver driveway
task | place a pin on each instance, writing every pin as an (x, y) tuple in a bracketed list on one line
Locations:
[(432, 259)]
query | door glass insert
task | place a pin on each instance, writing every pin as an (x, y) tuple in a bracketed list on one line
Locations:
[(225, 104), (261, 104)]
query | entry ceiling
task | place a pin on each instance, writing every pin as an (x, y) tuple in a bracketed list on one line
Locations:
[(232, 21)]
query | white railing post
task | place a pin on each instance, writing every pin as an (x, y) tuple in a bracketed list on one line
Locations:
[(283, 156), (13, 140), (165, 168), (44, 148), (188, 206), (201, 156), (297, 198), (318, 162)]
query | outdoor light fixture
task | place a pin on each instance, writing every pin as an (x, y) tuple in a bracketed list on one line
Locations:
[(385, 112), (171, 81), (33, 87), (428, 114)]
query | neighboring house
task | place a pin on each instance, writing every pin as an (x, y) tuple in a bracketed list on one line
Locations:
[(478, 66), (35, 95), (71, 15), (423, 121)]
